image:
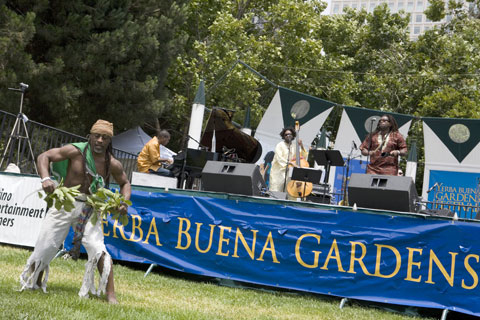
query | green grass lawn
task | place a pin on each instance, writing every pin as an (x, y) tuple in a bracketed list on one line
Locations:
[(158, 297)]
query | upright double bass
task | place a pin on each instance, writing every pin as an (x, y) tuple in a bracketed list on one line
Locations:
[(299, 189)]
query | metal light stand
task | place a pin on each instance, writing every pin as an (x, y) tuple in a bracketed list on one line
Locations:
[(435, 198), (15, 134), (346, 175), (370, 144)]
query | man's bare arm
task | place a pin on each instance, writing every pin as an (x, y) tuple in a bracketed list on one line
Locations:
[(121, 178), (53, 155)]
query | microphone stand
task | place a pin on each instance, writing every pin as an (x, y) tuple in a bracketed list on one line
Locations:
[(183, 179), (286, 168), (437, 188), (346, 174), (370, 144)]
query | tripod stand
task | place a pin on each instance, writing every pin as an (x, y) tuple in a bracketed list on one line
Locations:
[(15, 135)]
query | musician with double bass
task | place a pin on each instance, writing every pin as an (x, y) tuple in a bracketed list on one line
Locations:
[(285, 154)]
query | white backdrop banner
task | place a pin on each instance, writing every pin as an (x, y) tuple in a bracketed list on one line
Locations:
[(452, 168), (286, 107), (21, 210)]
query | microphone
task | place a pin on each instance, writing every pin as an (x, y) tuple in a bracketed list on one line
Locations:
[(433, 187)]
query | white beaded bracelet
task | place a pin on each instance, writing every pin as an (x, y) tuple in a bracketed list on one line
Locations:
[(45, 179)]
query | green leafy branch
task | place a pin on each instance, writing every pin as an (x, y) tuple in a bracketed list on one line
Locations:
[(105, 202), (62, 197)]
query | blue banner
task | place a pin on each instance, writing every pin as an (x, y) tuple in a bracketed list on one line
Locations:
[(383, 257), (455, 188)]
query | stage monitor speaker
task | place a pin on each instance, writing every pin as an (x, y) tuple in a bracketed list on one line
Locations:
[(396, 193), (232, 177), (320, 194), (320, 198)]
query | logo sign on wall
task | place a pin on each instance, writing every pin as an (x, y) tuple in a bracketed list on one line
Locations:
[(456, 188)]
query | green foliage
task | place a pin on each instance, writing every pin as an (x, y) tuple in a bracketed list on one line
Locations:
[(448, 64), (105, 202), (103, 59), (450, 103), (62, 197), (16, 32), (279, 39), (436, 10)]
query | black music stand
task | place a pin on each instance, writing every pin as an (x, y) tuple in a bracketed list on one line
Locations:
[(306, 175), (328, 158)]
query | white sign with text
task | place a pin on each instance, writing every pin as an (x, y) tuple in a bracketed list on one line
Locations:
[(21, 210)]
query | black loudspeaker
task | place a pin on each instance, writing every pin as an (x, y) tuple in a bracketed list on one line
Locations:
[(396, 193), (320, 198), (320, 194), (232, 177)]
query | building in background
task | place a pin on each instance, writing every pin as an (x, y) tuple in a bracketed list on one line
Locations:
[(419, 23)]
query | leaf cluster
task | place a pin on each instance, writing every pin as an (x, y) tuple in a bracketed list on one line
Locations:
[(62, 197), (105, 202)]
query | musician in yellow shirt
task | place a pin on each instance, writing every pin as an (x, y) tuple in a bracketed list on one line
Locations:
[(152, 160)]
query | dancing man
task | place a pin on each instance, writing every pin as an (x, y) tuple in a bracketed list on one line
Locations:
[(90, 165)]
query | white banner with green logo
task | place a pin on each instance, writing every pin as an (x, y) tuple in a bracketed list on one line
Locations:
[(452, 162), (286, 107)]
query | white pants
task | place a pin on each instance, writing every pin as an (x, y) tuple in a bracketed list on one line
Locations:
[(53, 232)]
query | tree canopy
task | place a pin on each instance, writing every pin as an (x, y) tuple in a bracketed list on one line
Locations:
[(94, 59), (132, 62)]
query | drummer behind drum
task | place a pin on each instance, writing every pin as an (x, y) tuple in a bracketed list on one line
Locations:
[(384, 145)]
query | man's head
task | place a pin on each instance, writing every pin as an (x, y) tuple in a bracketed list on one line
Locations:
[(387, 123), (288, 134), (101, 135), (163, 137)]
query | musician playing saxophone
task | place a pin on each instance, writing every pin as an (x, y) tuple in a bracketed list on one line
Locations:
[(284, 156)]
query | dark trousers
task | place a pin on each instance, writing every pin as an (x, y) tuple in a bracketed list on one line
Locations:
[(161, 172)]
